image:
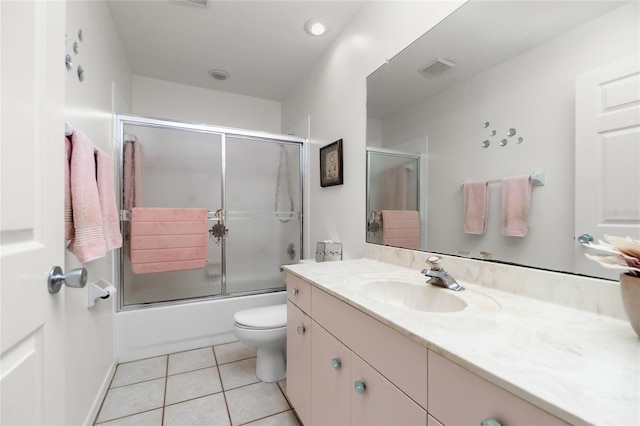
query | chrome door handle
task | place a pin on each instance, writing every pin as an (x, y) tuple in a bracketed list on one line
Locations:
[(360, 386), (76, 278), (585, 239), (336, 363), (301, 329)]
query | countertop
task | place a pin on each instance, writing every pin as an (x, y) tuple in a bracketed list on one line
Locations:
[(581, 367)]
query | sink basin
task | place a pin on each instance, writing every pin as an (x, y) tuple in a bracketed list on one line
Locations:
[(418, 297), (413, 293)]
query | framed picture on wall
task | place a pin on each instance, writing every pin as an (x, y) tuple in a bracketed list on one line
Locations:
[(331, 164)]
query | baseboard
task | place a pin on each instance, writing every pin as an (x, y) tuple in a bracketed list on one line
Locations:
[(104, 388)]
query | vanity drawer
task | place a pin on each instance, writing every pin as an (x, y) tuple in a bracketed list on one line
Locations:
[(401, 360), (458, 396), (299, 292)]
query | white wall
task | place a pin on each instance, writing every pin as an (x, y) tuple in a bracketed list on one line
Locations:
[(333, 94), (89, 331), (164, 99), (534, 93)]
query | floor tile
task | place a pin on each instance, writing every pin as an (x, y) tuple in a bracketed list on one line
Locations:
[(235, 351), (194, 384), (132, 399), (283, 419), (140, 371), (255, 402), (191, 360), (283, 386), (148, 418), (239, 373), (208, 410)]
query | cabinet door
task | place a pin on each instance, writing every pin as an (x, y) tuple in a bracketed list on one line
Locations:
[(299, 361), (375, 401), (460, 397), (330, 375)]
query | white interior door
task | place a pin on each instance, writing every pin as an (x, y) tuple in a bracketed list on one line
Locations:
[(607, 157), (32, 202)]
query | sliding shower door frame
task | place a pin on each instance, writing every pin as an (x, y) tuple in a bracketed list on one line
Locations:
[(122, 120)]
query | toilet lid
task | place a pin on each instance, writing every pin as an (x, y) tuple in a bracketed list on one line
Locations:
[(265, 317)]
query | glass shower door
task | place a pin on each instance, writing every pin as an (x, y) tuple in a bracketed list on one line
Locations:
[(263, 213), (179, 168)]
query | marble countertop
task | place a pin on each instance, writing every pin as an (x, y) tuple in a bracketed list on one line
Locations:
[(582, 367)]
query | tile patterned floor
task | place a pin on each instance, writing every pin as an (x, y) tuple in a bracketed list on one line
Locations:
[(208, 386)]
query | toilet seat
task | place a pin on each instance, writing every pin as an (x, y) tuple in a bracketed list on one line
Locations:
[(268, 317)]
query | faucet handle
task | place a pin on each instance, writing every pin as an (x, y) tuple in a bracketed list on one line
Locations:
[(434, 262)]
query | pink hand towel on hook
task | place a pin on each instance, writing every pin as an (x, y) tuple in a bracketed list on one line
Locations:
[(106, 194), (68, 211), (516, 200), (88, 239), (475, 197)]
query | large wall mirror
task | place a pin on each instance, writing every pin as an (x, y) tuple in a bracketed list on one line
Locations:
[(505, 89)]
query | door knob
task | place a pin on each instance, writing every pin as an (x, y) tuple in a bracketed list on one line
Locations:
[(76, 278), (360, 386), (585, 239)]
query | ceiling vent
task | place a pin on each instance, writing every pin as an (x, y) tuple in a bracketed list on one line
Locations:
[(200, 3), (437, 67)]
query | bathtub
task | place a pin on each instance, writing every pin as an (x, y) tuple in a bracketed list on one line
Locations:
[(155, 331)]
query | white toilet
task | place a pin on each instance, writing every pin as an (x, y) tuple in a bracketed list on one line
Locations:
[(265, 329)]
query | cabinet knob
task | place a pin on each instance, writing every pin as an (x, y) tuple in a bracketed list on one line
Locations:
[(360, 387), (336, 363), (293, 291), (301, 329), (490, 422)]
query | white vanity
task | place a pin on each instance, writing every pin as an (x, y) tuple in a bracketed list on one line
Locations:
[(360, 354)]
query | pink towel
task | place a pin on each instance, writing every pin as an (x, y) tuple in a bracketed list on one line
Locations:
[(476, 197), (516, 199), (401, 228), (166, 239), (107, 196), (132, 162), (68, 211), (88, 239)]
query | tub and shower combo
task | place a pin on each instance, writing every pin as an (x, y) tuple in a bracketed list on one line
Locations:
[(251, 185)]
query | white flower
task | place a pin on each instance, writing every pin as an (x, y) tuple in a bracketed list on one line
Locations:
[(625, 251)]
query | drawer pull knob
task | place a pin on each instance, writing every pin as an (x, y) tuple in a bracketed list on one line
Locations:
[(336, 363), (360, 387), (301, 329), (294, 291), (490, 422)]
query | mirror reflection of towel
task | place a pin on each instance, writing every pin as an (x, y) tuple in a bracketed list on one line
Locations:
[(516, 199), (401, 228), (476, 200)]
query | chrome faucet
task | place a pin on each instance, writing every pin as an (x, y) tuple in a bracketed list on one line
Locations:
[(438, 276)]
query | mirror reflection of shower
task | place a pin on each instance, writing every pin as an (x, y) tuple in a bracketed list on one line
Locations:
[(394, 194)]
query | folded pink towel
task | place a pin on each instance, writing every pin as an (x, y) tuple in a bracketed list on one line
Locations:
[(68, 211), (516, 200), (401, 228), (168, 239), (132, 162), (107, 196), (476, 200), (88, 240)]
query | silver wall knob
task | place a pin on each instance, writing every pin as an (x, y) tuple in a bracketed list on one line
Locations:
[(301, 329), (360, 387), (585, 239), (336, 363), (293, 291), (76, 278), (490, 422)]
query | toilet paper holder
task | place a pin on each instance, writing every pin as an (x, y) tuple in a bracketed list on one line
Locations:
[(101, 289)]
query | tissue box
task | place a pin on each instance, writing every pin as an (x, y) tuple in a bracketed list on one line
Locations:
[(326, 252)]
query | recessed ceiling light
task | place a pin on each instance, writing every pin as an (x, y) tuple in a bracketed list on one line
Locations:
[(219, 74), (315, 27)]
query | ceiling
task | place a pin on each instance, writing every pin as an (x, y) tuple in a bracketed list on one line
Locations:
[(261, 44)]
